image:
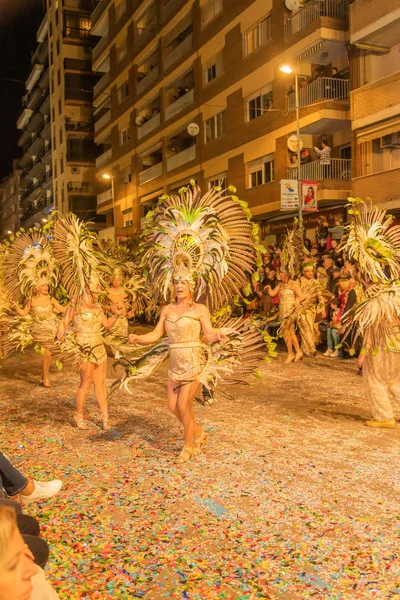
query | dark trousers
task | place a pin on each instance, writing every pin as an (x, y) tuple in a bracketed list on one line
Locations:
[(30, 531), (11, 479)]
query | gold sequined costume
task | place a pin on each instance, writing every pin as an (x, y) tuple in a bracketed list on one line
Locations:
[(87, 327), (187, 356)]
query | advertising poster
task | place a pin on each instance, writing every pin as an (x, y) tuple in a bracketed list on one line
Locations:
[(309, 195), (289, 194)]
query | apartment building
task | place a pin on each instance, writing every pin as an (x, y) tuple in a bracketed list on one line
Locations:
[(375, 100), (36, 180), (71, 94), (10, 210), (165, 65)]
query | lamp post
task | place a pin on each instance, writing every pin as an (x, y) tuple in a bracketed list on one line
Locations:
[(288, 70), (110, 177)]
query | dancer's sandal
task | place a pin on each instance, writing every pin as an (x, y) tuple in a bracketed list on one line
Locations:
[(290, 358), (46, 383), (105, 425), (299, 356), (80, 421), (200, 442), (185, 455)]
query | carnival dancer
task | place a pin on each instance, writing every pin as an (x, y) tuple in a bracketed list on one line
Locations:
[(73, 247), (31, 277), (309, 289), (200, 246), (373, 241)]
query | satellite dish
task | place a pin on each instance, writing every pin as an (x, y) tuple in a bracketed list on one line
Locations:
[(292, 5), (139, 121), (193, 129), (292, 143)]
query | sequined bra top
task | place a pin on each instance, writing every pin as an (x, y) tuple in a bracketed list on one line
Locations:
[(184, 330)]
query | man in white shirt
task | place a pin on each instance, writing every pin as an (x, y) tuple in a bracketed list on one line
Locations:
[(325, 159)]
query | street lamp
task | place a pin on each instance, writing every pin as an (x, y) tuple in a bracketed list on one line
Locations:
[(288, 70), (111, 177)]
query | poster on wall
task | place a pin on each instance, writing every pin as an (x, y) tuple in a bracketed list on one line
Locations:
[(309, 195), (289, 194)]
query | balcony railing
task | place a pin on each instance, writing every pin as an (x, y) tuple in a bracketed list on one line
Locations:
[(178, 52), (179, 105), (101, 84), (82, 4), (76, 33), (313, 11), (103, 158), (149, 126), (146, 34), (105, 196), (150, 78), (100, 47), (79, 126), (81, 187), (324, 88), (103, 121), (181, 158), (339, 169), (150, 173), (80, 95), (100, 7)]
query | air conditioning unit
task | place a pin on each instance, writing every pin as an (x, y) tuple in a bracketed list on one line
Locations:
[(392, 140), (75, 170)]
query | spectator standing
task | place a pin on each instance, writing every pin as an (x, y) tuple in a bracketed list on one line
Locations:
[(321, 233), (332, 331), (338, 229), (324, 159)]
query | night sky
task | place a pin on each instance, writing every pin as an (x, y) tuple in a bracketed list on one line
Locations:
[(19, 21)]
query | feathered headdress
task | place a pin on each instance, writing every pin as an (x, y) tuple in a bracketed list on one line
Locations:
[(28, 263), (373, 240), (292, 252), (78, 261), (206, 240)]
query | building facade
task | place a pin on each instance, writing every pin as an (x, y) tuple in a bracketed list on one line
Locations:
[(10, 211), (166, 65), (375, 100)]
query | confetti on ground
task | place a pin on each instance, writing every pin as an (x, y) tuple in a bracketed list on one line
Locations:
[(294, 499)]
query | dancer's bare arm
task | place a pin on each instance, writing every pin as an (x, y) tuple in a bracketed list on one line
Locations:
[(153, 336), (212, 334)]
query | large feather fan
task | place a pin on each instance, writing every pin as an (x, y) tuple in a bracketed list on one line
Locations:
[(210, 235), (76, 257), (26, 262), (376, 319), (373, 241), (292, 253)]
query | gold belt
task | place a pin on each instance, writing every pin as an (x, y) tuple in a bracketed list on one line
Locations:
[(186, 345)]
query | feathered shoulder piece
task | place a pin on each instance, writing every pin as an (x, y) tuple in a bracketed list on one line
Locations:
[(204, 239), (27, 263), (73, 248), (372, 240), (292, 253)]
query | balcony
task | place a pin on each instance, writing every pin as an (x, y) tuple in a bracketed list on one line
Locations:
[(35, 125), (75, 33), (179, 52), (181, 104), (375, 101), (82, 95), (76, 64), (170, 9), (78, 126), (99, 10), (25, 138), (104, 197), (181, 158), (339, 169), (149, 126), (101, 84), (103, 121), (80, 4), (34, 76), (43, 29), (324, 88), (382, 187), (145, 34), (104, 158), (99, 49), (47, 157), (150, 173), (375, 22), (313, 11), (81, 187), (148, 79), (24, 118)]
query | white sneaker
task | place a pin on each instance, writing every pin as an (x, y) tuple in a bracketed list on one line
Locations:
[(328, 352), (42, 491), (335, 354)]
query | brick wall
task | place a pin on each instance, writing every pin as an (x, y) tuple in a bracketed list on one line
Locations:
[(375, 97), (366, 12), (380, 187)]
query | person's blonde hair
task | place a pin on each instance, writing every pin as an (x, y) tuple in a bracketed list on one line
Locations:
[(8, 524)]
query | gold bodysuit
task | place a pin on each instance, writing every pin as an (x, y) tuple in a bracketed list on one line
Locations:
[(287, 301), (87, 326), (43, 312), (187, 358)]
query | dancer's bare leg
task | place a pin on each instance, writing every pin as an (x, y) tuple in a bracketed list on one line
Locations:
[(172, 392), (46, 363), (295, 342), (100, 391), (86, 376), (185, 402)]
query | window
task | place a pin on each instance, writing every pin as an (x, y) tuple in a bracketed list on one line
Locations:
[(58, 47), (61, 165), (61, 135), (211, 73), (60, 107), (261, 171), (215, 127), (259, 103), (53, 114), (220, 180), (345, 151), (128, 223), (120, 8), (125, 135), (257, 35), (209, 11), (123, 92)]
